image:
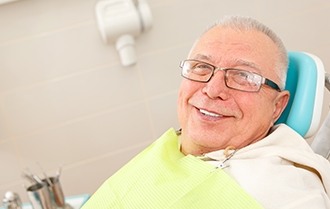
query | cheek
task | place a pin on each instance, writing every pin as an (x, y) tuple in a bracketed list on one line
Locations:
[(256, 110), (186, 91), (182, 101)]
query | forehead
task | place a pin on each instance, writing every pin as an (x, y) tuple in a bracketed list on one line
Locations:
[(234, 62), (226, 46)]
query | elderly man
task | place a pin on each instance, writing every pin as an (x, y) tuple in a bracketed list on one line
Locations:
[(228, 153)]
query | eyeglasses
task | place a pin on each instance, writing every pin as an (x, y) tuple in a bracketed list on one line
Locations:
[(241, 80)]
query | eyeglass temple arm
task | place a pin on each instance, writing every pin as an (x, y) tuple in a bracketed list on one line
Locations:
[(327, 81), (272, 84)]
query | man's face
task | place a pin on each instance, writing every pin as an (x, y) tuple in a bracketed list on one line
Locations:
[(213, 116)]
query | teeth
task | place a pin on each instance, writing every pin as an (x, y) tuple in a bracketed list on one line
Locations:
[(209, 113)]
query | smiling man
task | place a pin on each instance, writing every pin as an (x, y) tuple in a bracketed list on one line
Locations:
[(228, 152), (228, 97)]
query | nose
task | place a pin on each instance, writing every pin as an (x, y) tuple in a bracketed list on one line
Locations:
[(216, 87)]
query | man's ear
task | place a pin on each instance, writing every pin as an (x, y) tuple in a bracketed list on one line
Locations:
[(281, 102)]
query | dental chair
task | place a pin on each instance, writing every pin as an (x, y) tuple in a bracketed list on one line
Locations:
[(306, 80)]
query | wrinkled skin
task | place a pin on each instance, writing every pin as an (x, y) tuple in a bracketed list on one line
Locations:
[(233, 118)]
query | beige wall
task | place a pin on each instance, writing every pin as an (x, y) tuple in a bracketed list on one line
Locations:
[(66, 100)]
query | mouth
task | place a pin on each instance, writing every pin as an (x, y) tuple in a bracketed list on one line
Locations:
[(210, 114)]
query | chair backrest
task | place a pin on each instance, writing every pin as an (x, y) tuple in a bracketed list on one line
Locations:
[(305, 81)]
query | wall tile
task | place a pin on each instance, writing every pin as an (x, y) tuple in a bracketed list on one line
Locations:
[(88, 138), (161, 72), (3, 130), (52, 56), (283, 9), (27, 18), (164, 113), (55, 102), (306, 30), (10, 169)]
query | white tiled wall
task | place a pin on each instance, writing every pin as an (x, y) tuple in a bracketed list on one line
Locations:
[(65, 100)]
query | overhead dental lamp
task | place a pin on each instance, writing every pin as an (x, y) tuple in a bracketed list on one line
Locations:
[(120, 21)]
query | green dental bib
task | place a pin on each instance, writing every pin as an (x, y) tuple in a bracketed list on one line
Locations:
[(161, 177)]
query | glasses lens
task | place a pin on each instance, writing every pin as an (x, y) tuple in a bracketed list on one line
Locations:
[(243, 80), (196, 70)]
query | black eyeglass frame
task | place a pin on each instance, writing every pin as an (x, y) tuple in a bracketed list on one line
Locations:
[(264, 80)]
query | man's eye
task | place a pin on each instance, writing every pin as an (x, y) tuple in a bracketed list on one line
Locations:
[(243, 77), (202, 69)]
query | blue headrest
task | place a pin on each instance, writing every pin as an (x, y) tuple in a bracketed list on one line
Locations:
[(305, 81)]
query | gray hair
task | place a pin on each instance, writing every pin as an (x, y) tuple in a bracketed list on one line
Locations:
[(247, 23)]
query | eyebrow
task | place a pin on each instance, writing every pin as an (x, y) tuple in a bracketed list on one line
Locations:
[(242, 62), (239, 62), (203, 57)]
